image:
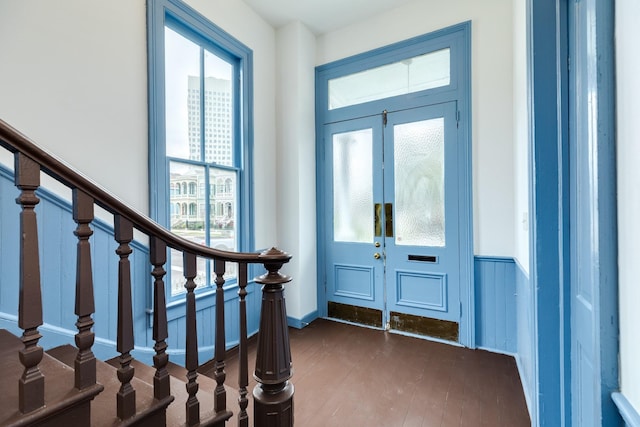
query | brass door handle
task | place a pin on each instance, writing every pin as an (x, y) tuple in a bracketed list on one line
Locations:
[(376, 255), (388, 215)]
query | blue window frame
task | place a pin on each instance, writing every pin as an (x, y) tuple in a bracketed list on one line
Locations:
[(200, 138)]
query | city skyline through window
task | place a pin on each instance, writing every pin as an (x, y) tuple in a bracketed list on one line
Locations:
[(199, 115)]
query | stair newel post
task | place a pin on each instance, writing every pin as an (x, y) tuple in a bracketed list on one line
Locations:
[(31, 384), (158, 257), (243, 371), (191, 357), (126, 397), (220, 394), (85, 363), (273, 396)]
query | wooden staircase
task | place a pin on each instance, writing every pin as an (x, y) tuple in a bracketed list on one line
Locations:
[(65, 405), (67, 386)]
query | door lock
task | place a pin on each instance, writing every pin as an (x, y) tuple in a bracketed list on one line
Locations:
[(377, 244), (376, 255)]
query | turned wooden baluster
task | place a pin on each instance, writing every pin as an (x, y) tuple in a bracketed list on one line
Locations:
[(158, 255), (273, 396), (126, 397), (31, 384), (220, 394), (85, 363), (243, 372), (191, 363)]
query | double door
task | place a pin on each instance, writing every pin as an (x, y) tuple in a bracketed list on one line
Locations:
[(391, 220)]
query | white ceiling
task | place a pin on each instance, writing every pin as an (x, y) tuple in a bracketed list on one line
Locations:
[(320, 16)]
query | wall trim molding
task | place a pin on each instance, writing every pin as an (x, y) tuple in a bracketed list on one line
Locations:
[(629, 414), (493, 258), (525, 385), (521, 268), (495, 350), (293, 322)]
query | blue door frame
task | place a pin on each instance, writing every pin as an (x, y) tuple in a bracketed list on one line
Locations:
[(550, 191), (458, 38)]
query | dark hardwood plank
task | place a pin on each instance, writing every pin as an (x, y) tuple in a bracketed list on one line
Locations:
[(347, 376)]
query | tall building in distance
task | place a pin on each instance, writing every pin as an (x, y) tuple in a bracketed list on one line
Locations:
[(218, 123), (203, 199), (188, 207)]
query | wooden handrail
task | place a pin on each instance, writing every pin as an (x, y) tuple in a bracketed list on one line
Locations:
[(273, 397), (15, 141)]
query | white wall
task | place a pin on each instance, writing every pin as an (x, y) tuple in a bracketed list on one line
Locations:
[(296, 164), (520, 135), (492, 99), (628, 146), (73, 77)]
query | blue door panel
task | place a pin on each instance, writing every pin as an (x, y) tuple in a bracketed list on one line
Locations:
[(354, 276), (354, 281), (416, 291), (593, 244), (380, 274), (411, 279), (438, 290)]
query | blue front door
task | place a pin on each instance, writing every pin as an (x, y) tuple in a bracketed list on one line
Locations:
[(391, 222)]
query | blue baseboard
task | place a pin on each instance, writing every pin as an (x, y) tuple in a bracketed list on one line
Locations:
[(301, 323), (628, 413), (525, 385)]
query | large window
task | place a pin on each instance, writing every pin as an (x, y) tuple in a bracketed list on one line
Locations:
[(199, 92)]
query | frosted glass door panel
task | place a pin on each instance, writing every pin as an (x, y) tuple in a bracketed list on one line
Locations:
[(353, 186), (419, 183), (422, 72)]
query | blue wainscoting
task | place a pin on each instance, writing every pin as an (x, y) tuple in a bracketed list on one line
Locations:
[(495, 304), (525, 356), (58, 272), (504, 314)]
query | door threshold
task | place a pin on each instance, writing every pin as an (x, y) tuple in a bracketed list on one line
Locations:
[(401, 323), (394, 331), (351, 313), (347, 322), (425, 326), (425, 337)]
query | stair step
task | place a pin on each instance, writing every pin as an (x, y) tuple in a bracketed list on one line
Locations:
[(178, 380), (64, 405), (104, 406), (103, 410)]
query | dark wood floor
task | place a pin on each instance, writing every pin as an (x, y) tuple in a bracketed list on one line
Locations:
[(351, 376)]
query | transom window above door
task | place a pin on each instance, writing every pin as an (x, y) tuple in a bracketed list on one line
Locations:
[(409, 75)]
